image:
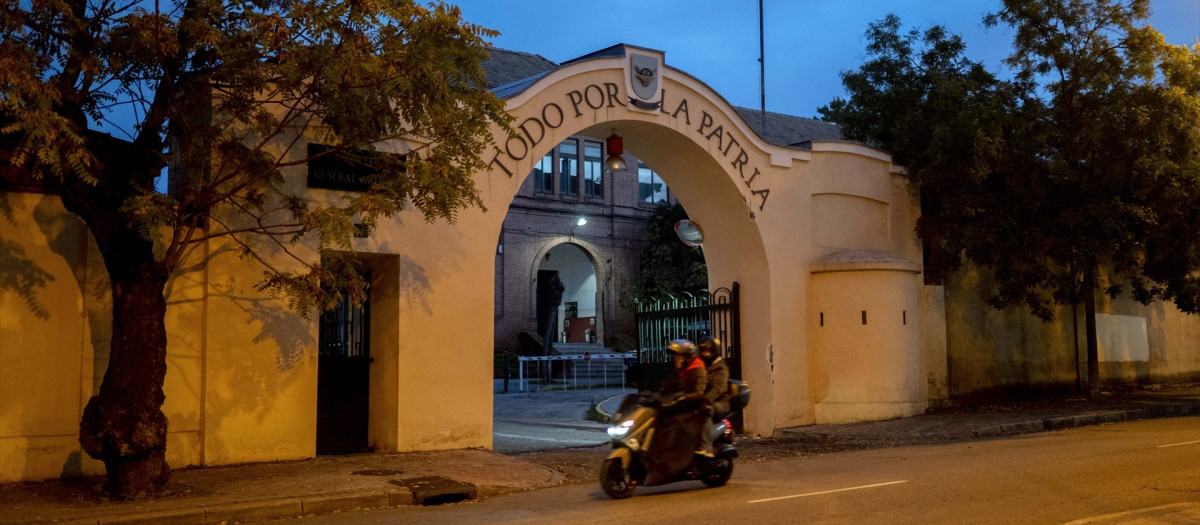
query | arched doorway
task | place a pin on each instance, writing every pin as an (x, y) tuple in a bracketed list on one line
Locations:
[(575, 313)]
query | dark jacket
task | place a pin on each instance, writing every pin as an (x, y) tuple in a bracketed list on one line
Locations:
[(717, 392)]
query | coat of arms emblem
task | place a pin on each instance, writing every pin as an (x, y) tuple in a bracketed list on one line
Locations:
[(644, 75)]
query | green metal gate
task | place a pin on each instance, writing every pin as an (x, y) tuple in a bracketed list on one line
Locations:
[(691, 317)]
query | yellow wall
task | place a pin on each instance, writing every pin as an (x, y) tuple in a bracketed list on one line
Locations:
[(55, 325)]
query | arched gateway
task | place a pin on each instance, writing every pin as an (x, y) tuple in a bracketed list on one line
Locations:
[(818, 235)]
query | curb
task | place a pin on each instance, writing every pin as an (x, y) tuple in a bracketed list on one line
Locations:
[(1045, 424), (1083, 420), (599, 407), (257, 510)]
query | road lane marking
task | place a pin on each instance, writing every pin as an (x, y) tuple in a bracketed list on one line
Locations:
[(1178, 444), (827, 492)]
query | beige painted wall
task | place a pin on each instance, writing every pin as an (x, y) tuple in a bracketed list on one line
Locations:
[(996, 352), (932, 311)]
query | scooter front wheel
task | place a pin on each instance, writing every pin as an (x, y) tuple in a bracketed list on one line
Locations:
[(614, 479)]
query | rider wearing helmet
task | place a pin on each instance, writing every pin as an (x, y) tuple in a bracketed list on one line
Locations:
[(685, 390), (716, 394), (690, 378)]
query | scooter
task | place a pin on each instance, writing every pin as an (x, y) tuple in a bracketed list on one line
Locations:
[(635, 461)]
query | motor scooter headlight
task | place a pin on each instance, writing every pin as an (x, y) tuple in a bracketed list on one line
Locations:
[(620, 430)]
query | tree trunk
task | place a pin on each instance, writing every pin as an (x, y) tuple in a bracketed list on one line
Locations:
[(124, 425), (1093, 349)]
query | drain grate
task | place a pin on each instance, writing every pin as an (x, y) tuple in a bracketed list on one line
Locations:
[(436, 490)]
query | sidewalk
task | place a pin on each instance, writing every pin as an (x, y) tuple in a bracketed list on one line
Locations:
[(337, 483), (261, 491), (1018, 417)]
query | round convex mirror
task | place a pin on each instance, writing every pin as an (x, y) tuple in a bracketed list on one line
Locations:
[(689, 232)]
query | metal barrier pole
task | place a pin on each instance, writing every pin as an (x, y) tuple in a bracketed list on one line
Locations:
[(521, 373)]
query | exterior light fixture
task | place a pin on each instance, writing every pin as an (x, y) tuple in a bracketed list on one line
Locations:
[(615, 147), (578, 223)]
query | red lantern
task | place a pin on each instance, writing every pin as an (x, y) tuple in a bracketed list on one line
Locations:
[(615, 148)]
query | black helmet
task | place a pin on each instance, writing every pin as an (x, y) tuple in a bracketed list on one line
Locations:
[(711, 344), (682, 347)]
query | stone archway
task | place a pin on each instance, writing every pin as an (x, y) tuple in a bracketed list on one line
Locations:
[(703, 152), (754, 199)]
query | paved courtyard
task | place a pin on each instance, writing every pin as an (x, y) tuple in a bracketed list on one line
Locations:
[(548, 420)]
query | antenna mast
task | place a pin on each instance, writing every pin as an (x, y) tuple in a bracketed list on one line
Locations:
[(762, 71)]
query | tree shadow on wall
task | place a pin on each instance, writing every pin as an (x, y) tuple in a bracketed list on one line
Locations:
[(291, 333), (413, 285), (19, 273), (23, 276), (244, 389)]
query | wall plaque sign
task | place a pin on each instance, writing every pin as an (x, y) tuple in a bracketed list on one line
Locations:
[(343, 170)]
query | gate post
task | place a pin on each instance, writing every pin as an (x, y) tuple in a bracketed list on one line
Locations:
[(735, 323)]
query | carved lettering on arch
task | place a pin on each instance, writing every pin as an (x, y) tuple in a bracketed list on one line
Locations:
[(575, 104)]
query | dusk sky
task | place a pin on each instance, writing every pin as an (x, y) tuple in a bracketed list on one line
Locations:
[(807, 43)]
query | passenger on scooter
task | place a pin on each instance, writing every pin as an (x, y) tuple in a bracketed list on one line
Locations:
[(683, 392), (716, 395)]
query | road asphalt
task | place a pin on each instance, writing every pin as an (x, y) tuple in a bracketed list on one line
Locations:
[(524, 423)]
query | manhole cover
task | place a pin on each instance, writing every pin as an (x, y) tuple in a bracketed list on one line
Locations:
[(377, 472), (436, 490)]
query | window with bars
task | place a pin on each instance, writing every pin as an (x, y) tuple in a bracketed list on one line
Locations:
[(345, 330)]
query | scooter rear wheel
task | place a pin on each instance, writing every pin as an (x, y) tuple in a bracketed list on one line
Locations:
[(615, 480), (717, 472)]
